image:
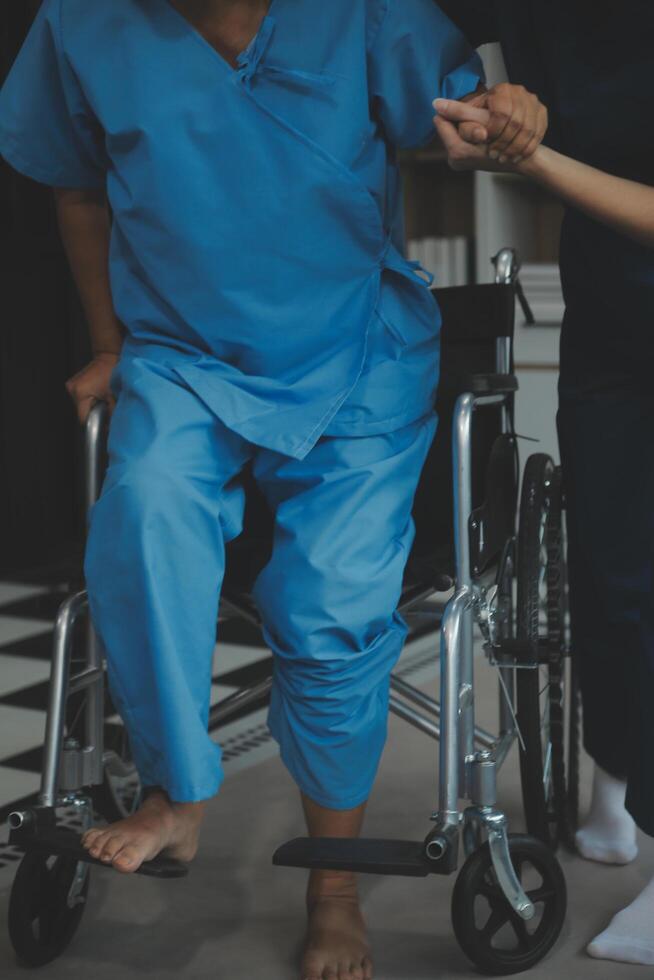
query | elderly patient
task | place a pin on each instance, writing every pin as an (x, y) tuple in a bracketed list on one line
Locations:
[(249, 303)]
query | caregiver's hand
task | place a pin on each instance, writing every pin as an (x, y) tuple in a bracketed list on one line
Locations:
[(91, 385), (517, 123), (463, 128)]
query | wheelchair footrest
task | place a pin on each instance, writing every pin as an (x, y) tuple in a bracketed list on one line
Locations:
[(378, 857), (61, 840)]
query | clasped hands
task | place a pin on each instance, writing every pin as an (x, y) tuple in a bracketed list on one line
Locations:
[(499, 130)]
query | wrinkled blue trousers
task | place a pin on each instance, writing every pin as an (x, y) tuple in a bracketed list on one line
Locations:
[(328, 596)]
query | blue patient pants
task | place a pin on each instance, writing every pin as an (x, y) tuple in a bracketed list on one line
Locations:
[(328, 596)]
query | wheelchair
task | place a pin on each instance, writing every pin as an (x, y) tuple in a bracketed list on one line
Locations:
[(503, 569)]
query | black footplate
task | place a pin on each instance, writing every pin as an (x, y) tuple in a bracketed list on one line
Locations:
[(404, 858), (61, 840)]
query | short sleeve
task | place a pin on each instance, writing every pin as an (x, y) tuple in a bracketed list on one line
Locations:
[(47, 130), (418, 55)]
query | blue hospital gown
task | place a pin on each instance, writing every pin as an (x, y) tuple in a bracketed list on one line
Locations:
[(256, 244)]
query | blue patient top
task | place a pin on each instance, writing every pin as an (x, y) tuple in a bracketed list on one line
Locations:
[(256, 243)]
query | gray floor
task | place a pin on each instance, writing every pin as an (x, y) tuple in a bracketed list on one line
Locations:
[(237, 917)]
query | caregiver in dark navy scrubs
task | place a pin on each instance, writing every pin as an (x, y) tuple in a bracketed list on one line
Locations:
[(591, 63)]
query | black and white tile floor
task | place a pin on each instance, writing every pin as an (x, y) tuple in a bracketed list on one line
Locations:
[(27, 615)]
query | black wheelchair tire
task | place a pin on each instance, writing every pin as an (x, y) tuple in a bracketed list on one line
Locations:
[(550, 811), (570, 815), (477, 879), (41, 925), (569, 803)]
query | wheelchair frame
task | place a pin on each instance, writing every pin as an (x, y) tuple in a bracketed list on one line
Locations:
[(469, 755)]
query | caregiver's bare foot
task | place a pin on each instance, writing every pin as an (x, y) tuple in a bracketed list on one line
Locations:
[(158, 827), (337, 944)]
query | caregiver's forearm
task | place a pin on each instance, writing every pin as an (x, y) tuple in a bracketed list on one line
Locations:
[(85, 228), (624, 205)]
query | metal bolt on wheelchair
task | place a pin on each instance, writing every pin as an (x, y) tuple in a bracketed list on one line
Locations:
[(509, 900)]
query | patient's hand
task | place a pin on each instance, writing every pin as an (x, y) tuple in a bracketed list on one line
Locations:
[(92, 384), (517, 122), (464, 128)]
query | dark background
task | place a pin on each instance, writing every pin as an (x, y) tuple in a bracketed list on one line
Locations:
[(43, 340)]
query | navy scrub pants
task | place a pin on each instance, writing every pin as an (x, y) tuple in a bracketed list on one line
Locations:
[(606, 433)]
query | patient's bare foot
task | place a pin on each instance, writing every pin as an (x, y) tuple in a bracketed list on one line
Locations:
[(336, 945), (158, 827)]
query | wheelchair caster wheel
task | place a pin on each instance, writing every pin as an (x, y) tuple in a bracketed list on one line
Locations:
[(497, 940), (42, 923)]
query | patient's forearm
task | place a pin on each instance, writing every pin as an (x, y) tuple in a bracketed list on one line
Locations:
[(85, 228), (624, 205)]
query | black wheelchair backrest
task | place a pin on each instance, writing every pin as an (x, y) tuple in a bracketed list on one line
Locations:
[(475, 318)]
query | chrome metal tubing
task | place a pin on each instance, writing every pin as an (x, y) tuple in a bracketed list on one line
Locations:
[(413, 694), (87, 678), (484, 780), (84, 808), (462, 462), (507, 266), (503, 355), (498, 841), (484, 738), (94, 708), (54, 728), (229, 706), (96, 428), (503, 366), (464, 411), (452, 630), (414, 718), (502, 747), (507, 708)]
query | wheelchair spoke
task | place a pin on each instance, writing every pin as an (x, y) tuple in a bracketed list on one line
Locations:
[(493, 895), (71, 728), (519, 927), (547, 768), (495, 922), (542, 894)]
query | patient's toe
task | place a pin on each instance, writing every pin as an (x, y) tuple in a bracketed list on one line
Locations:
[(128, 859), (111, 847)]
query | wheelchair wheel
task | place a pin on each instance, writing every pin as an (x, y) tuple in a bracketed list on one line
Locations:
[(494, 937), (569, 815), (41, 922), (548, 703), (119, 795)]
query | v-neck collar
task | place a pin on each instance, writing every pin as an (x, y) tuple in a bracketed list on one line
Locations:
[(193, 32)]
